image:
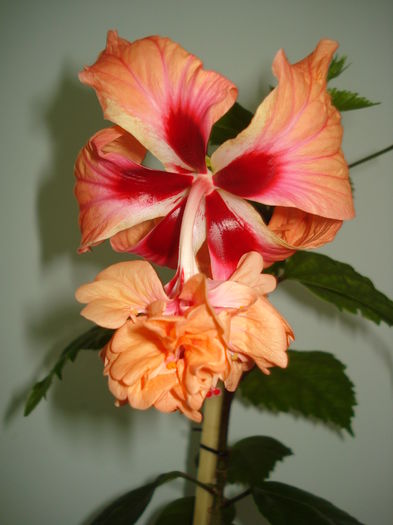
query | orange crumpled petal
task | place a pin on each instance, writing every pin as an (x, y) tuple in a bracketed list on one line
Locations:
[(174, 352), (119, 292)]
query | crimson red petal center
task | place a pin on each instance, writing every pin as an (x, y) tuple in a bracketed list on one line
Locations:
[(228, 236), (145, 185), (249, 175), (161, 245), (185, 137)]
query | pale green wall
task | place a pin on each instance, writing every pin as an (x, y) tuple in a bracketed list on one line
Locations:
[(77, 451)]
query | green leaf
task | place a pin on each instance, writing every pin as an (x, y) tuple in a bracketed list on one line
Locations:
[(178, 512), (345, 100), (93, 339), (231, 124), (337, 66), (38, 391), (313, 385), (252, 459), (339, 284), (128, 508), (228, 514), (282, 504)]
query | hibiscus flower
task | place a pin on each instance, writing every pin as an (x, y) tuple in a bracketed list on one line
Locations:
[(170, 352), (195, 214)]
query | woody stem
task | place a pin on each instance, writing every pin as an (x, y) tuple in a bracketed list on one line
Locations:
[(213, 459)]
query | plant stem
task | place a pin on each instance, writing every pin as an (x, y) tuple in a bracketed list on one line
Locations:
[(212, 466), (369, 157), (196, 482), (222, 463), (239, 497)]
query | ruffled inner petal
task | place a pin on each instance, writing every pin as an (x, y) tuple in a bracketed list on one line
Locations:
[(262, 334), (119, 292)]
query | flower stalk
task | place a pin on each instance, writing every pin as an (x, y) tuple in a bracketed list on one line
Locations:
[(213, 459)]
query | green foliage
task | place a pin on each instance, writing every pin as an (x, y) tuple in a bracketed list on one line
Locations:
[(38, 392), (128, 508), (314, 385), (178, 512), (345, 100), (337, 66), (93, 339), (231, 124), (337, 283), (252, 459), (282, 504), (181, 512), (228, 514)]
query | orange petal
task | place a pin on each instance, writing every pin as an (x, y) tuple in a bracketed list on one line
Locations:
[(290, 154), (262, 334), (159, 92), (194, 291), (248, 272), (237, 369), (303, 230), (136, 354), (135, 363), (132, 363), (120, 291), (230, 294), (156, 391), (115, 192)]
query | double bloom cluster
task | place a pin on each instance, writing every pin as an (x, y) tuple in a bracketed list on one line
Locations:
[(212, 321)]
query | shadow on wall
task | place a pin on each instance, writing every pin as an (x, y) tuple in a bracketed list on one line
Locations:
[(71, 115), (83, 399)]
